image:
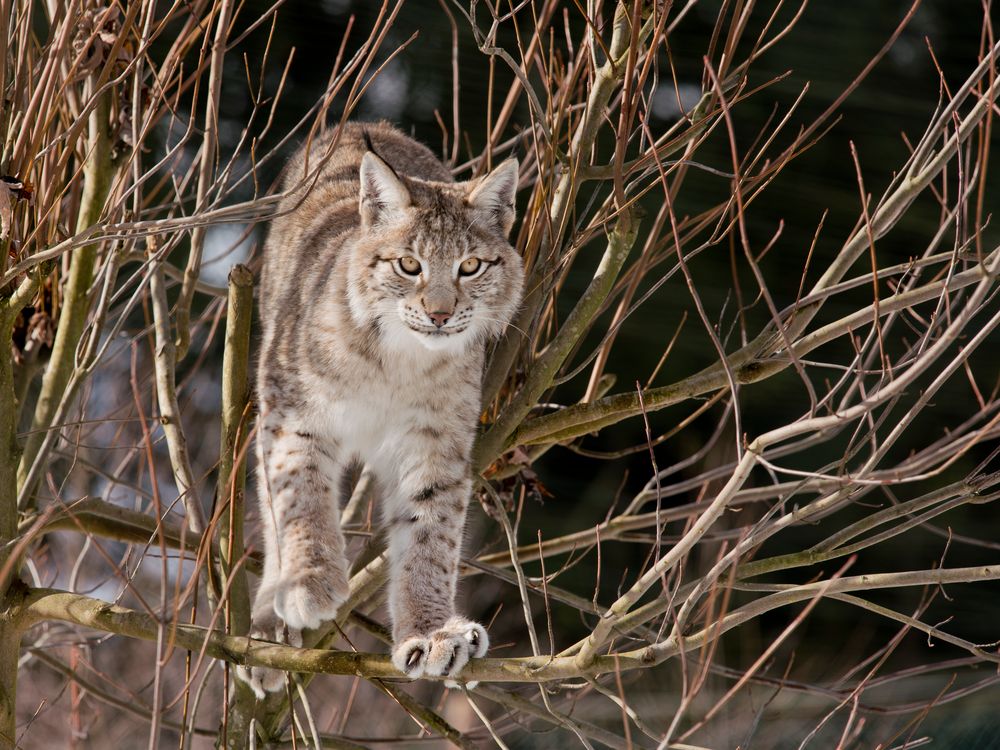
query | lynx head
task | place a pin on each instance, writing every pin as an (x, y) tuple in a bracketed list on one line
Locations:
[(432, 268)]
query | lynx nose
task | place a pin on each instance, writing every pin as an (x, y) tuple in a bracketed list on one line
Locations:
[(439, 318)]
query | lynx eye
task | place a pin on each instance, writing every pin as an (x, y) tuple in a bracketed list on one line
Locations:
[(469, 267), (409, 265)]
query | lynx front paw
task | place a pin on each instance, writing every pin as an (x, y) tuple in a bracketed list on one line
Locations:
[(442, 653), (306, 600)]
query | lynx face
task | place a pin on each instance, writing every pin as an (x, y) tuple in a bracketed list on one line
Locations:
[(432, 268)]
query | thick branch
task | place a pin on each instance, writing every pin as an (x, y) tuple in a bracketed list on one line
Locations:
[(232, 478), (49, 604), (232, 459), (98, 171), (544, 369)]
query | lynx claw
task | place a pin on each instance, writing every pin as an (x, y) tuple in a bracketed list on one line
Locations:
[(475, 634), (444, 653), (410, 656), (479, 643)]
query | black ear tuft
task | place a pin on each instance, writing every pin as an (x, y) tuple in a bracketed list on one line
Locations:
[(368, 141)]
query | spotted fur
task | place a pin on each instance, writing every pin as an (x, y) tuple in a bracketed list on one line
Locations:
[(355, 365)]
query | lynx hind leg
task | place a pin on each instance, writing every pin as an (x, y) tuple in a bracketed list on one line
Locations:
[(266, 625), (444, 652)]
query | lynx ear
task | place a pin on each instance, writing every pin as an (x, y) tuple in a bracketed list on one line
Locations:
[(493, 196), (383, 194)]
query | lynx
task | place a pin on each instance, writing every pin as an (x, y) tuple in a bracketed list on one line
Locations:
[(380, 292)]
